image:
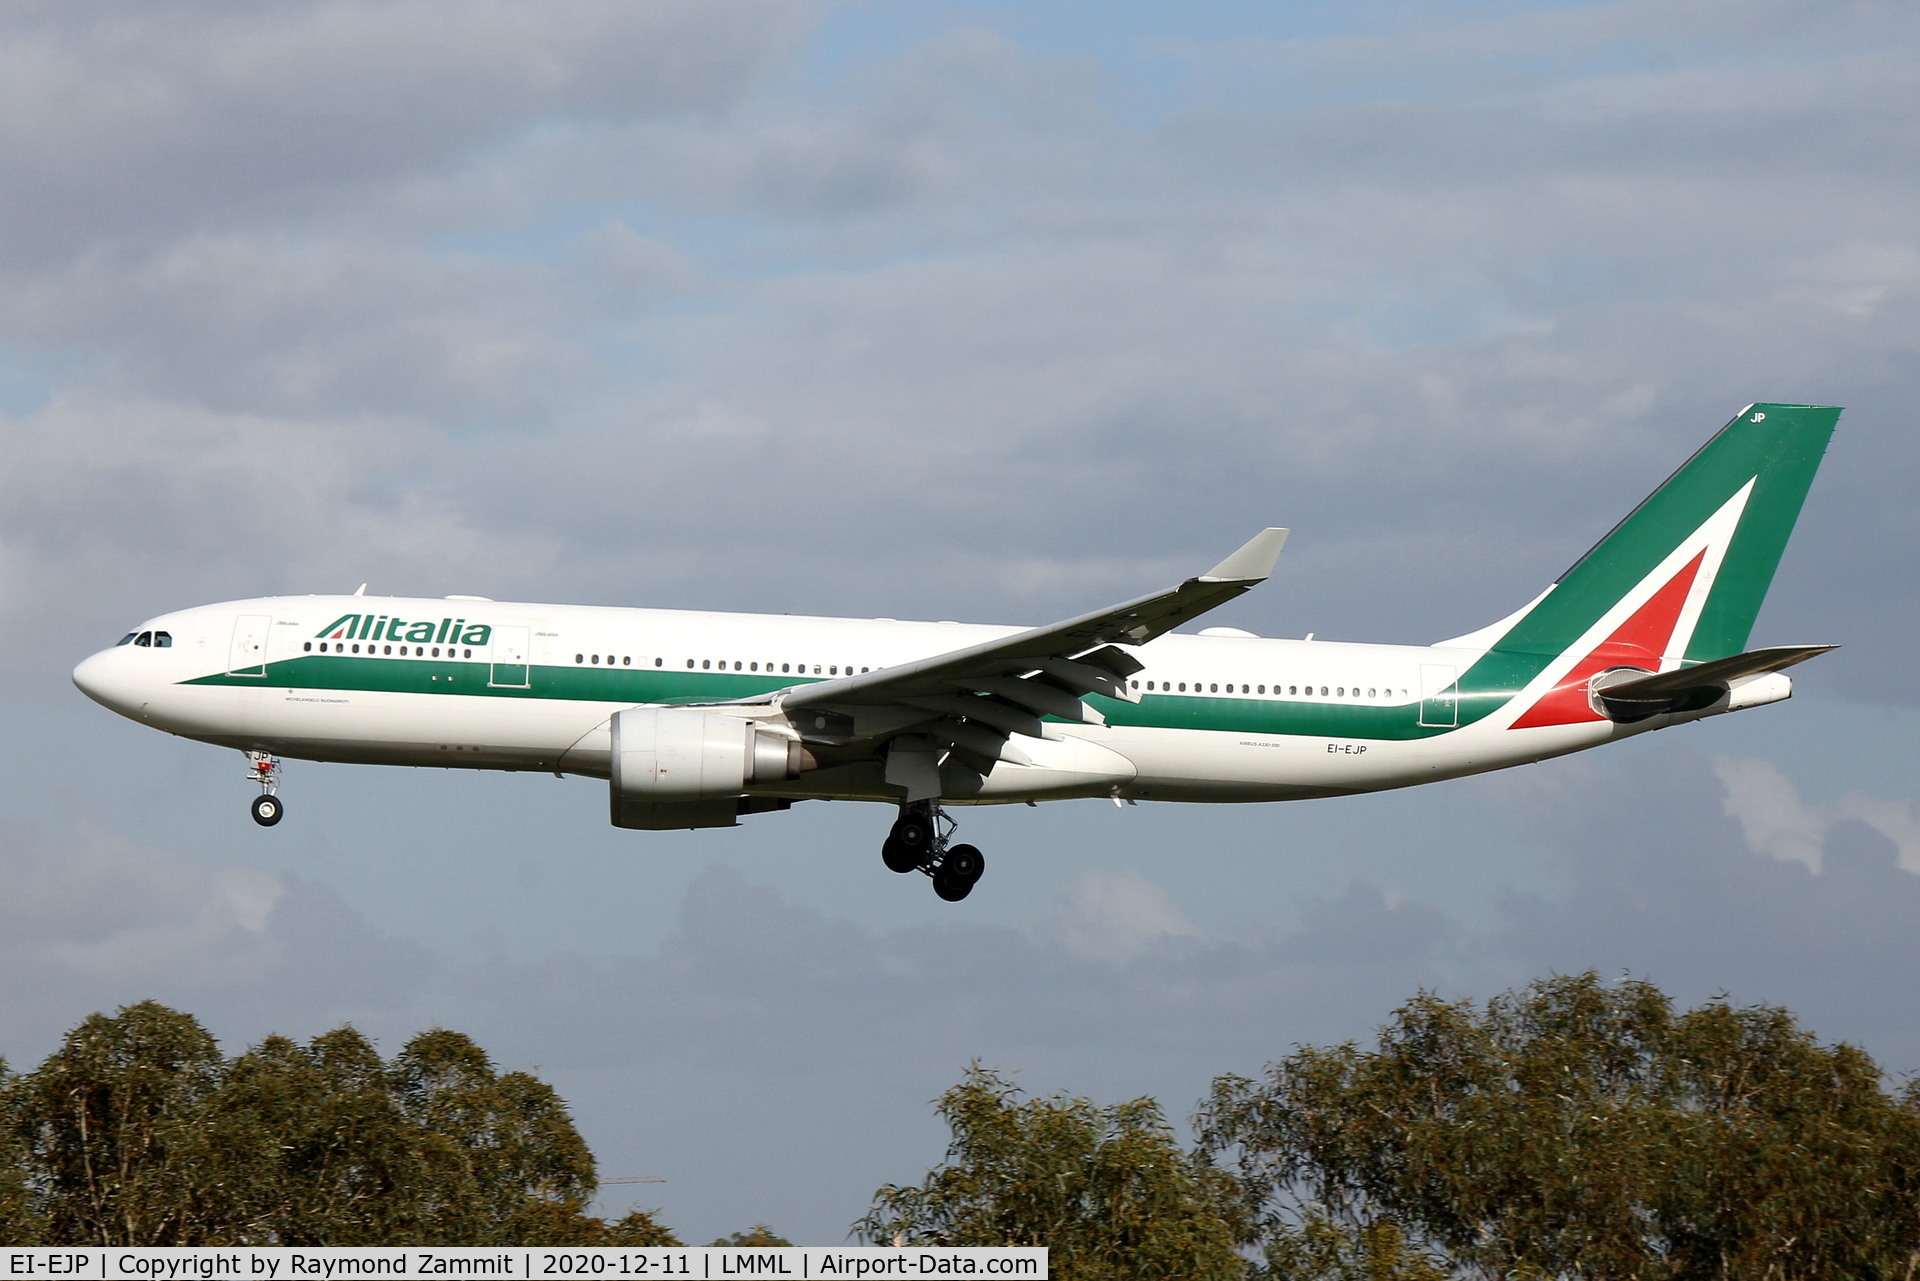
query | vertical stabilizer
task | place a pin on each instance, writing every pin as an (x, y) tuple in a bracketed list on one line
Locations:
[(1680, 580), (1727, 513)]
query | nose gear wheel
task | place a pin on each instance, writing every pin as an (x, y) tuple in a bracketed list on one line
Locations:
[(264, 769)]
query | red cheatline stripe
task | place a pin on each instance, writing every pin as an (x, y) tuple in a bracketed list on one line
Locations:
[(1638, 642)]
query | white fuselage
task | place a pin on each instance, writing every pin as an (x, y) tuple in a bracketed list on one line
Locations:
[(498, 685)]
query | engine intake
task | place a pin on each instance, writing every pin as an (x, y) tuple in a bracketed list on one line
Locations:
[(675, 767)]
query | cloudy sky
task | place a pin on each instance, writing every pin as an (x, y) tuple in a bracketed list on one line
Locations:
[(987, 311)]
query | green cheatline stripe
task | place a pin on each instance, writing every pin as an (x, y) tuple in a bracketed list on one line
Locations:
[(643, 685)]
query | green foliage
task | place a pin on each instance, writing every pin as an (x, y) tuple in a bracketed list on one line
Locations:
[(761, 1234), (1580, 1129), (112, 1124), (1318, 1249), (637, 1228), (1108, 1189), (501, 1157), (136, 1131), (20, 1222)]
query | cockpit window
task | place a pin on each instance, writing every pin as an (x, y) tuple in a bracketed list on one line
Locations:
[(144, 638), (125, 640), (162, 640)]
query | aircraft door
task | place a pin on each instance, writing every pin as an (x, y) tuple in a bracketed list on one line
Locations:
[(510, 667), (1439, 696), (248, 656)]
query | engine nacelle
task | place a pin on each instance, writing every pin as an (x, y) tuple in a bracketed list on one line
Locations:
[(676, 767)]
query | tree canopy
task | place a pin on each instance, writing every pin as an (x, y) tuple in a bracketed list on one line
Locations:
[(1108, 1189), (1574, 1128), (1583, 1129), (137, 1131)]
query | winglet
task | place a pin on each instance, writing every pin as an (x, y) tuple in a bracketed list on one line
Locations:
[(1251, 563)]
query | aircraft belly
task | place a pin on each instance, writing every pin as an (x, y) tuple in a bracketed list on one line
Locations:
[(380, 727), (1205, 765)]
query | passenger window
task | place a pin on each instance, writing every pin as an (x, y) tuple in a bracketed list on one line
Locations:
[(753, 667), (581, 658), (626, 660), (387, 649), (1323, 691), (1183, 687), (816, 669), (596, 658), (834, 670), (658, 662), (1214, 688), (308, 647), (689, 664), (1370, 694), (469, 653), (707, 664), (784, 667)]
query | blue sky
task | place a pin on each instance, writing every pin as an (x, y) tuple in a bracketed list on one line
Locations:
[(978, 311)]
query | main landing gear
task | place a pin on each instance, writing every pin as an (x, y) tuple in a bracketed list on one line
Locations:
[(919, 842), (264, 769)]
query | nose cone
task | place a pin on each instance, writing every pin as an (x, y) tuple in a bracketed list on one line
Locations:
[(104, 679)]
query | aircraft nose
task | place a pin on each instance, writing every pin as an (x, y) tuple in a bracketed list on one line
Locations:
[(99, 679)]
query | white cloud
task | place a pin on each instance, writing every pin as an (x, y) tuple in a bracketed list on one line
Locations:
[(1776, 821), (1116, 920), (1769, 810), (130, 120), (1893, 819)]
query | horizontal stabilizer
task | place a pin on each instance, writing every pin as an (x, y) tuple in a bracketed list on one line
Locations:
[(1637, 698)]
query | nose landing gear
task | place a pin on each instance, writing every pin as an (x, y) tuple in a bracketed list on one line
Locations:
[(264, 769), (919, 842)]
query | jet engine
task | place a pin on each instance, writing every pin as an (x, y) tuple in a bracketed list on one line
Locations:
[(676, 767)]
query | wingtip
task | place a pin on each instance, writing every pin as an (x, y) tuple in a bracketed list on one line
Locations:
[(1253, 562)]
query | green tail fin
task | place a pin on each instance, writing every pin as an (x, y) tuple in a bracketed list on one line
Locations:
[(1680, 580), (1721, 521)]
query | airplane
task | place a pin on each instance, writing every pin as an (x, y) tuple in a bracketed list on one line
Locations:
[(697, 719)]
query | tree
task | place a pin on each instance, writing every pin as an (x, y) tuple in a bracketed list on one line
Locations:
[(111, 1127), (761, 1234), (20, 1224), (505, 1161), (313, 1148), (136, 1131), (1107, 1189), (1581, 1129)]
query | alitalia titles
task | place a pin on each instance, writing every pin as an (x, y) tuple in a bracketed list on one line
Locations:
[(447, 631)]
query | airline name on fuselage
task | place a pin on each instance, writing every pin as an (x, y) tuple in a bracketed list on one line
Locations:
[(448, 631)]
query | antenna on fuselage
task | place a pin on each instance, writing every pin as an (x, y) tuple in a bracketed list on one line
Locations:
[(361, 590)]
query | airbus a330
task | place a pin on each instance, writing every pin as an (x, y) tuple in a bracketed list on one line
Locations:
[(698, 719)]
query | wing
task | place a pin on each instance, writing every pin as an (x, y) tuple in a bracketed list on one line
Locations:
[(971, 701)]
